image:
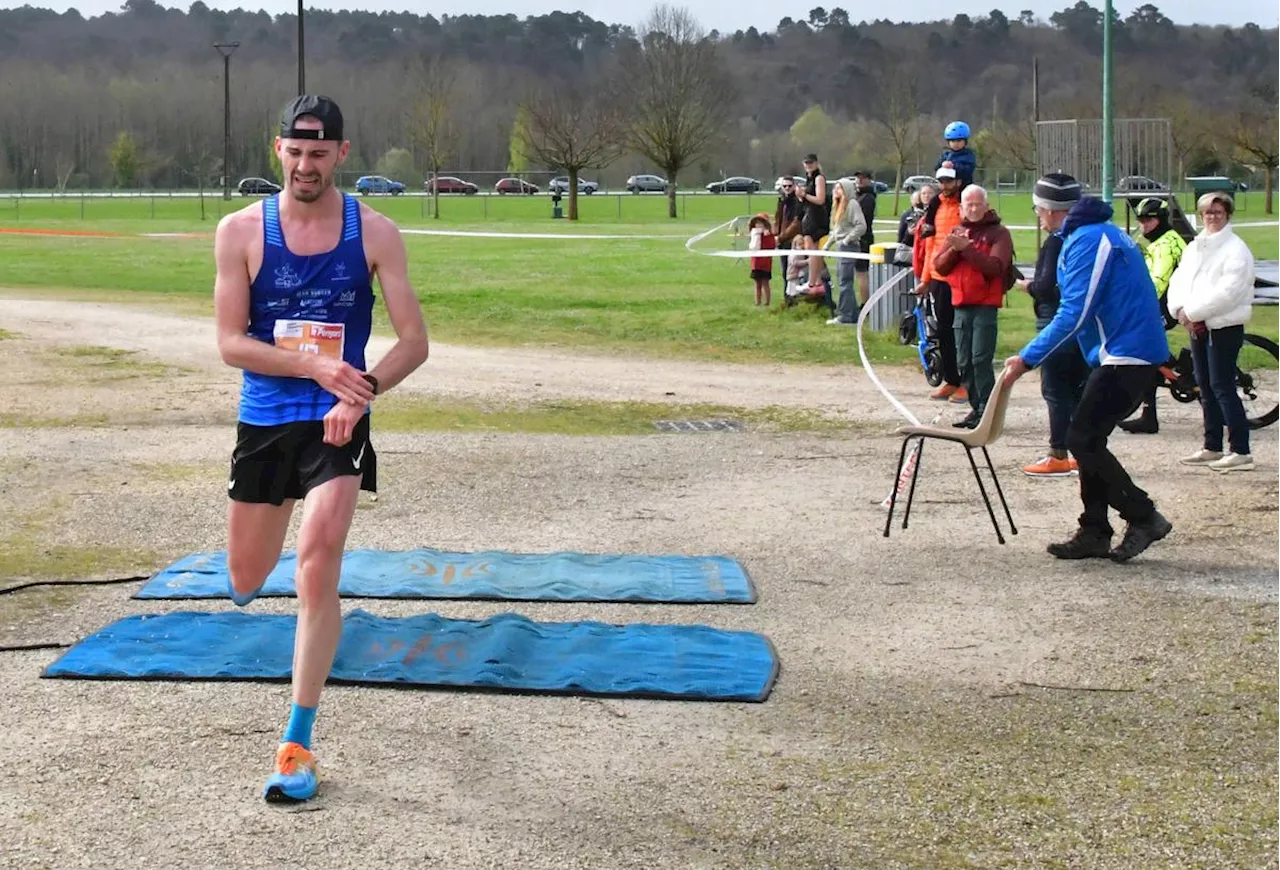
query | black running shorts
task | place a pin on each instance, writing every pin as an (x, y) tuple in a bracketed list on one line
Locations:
[(274, 463)]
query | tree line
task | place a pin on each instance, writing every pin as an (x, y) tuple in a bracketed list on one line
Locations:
[(135, 98)]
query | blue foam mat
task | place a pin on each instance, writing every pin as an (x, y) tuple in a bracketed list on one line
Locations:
[(504, 652), (491, 574)]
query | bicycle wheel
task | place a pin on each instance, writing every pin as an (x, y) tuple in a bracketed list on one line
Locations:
[(933, 366), (1256, 380), (907, 328)]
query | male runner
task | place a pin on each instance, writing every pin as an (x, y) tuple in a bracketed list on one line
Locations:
[(293, 299)]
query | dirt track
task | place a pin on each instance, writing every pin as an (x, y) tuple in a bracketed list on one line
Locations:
[(901, 733)]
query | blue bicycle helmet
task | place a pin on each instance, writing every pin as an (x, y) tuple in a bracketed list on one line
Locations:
[(956, 130)]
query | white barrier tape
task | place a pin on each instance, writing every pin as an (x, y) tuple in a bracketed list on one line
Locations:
[(862, 351), (497, 235), (826, 254), (881, 291)]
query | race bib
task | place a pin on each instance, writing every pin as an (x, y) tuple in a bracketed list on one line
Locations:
[(310, 336)]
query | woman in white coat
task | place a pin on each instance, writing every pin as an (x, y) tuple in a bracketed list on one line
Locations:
[(1211, 294)]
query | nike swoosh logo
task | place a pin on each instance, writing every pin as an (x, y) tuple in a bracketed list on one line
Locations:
[(355, 463)]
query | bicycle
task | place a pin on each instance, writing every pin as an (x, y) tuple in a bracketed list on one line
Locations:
[(919, 326), (1256, 380)]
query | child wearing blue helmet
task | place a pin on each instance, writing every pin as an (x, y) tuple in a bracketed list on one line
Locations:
[(958, 153), (958, 156)]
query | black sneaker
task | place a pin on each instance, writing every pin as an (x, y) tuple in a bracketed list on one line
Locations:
[(969, 422), (1139, 536), (1147, 424), (1084, 544)]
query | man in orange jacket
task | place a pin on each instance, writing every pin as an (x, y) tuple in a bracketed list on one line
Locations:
[(975, 258), (926, 241)]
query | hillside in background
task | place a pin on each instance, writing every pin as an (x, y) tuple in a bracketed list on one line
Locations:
[(135, 98)]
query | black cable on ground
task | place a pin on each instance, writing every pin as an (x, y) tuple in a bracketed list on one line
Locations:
[(7, 589), (27, 647)]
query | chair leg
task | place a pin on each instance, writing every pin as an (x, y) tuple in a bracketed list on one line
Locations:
[(999, 491), (893, 494), (968, 451), (915, 475)]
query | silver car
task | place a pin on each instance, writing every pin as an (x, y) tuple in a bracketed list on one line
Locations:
[(641, 183), (560, 184)]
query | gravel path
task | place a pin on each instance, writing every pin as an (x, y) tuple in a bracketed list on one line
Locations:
[(903, 731)]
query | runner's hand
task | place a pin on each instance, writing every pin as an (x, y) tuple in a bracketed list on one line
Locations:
[(340, 422), (342, 379)]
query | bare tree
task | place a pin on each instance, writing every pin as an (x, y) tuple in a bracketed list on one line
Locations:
[(1257, 138), (896, 114), (433, 123), (1254, 135), (678, 91), (574, 127)]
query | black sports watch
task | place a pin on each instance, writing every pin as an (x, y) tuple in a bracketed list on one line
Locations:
[(373, 382)]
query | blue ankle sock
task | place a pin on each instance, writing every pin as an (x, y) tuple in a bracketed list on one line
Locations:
[(299, 728)]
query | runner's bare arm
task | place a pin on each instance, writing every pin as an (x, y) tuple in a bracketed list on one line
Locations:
[(387, 253), (231, 316)]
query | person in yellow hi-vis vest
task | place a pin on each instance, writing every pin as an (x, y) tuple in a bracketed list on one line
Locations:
[(1163, 251)]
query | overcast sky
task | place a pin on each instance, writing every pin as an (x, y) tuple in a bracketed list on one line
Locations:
[(731, 15)]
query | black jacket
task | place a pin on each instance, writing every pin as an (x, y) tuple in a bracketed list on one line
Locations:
[(1043, 287)]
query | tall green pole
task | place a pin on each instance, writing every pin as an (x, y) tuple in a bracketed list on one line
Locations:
[(1106, 102)]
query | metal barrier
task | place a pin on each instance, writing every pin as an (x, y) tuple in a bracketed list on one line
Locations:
[(887, 312)]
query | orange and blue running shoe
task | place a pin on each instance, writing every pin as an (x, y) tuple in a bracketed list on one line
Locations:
[(295, 776)]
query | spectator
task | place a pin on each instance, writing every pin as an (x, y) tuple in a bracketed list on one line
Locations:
[(958, 156), (816, 221), (867, 201), (1163, 252), (946, 218), (976, 258), (786, 218), (762, 239), (1064, 372), (848, 226), (1108, 305), (907, 224), (1211, 294)]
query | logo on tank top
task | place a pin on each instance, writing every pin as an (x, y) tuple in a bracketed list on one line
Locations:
[(287, 279), (340, 273)]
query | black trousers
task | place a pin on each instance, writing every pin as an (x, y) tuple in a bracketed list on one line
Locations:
[(946, 314), (1108, 395)]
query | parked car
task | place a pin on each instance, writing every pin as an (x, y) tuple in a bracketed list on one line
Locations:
[(915, 182), (735, 184), (880, 186), (560, 184), (515, 185), (638, 183), (449, 184), (257, 187), (1138, 182), (367, 184)]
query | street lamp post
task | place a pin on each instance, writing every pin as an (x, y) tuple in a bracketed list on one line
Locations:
[(302, 74), (1107, 145), (225, 49)]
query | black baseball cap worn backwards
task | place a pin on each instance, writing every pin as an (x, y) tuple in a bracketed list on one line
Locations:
[(323, 108)]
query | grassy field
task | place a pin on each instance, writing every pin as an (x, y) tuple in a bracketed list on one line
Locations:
[(645, 294)]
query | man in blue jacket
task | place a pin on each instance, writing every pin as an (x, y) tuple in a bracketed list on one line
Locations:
[(1108, 306)]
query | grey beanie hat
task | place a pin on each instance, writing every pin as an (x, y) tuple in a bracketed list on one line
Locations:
[(1056, 191)]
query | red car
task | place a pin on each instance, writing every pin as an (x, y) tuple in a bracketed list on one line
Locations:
[(515, 185), (450, 184)]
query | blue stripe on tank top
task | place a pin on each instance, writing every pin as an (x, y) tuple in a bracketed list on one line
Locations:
[(271, 221)]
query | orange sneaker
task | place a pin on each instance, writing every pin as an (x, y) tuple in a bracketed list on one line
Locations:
[(1050, 466), (944, 392), (295, 775), (960, 396)]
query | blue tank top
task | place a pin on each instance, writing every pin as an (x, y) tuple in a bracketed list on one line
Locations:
[(319, 303)]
